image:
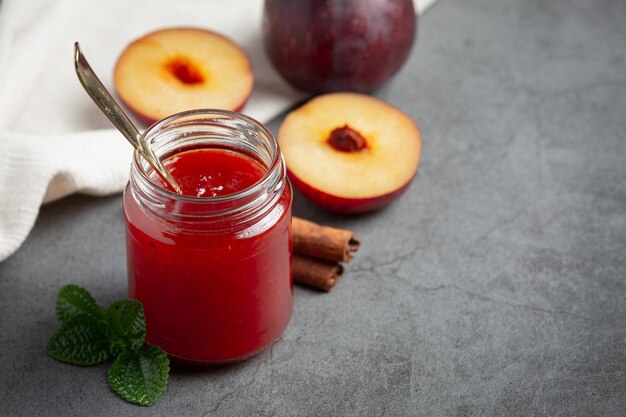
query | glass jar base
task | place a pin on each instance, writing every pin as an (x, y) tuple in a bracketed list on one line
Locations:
[(195, 362)]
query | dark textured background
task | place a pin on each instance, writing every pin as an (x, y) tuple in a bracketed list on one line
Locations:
[(495, 286)]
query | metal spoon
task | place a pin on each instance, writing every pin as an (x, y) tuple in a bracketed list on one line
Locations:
[(116, 115)]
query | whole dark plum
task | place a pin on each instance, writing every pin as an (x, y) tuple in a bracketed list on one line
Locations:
[(338, 45)]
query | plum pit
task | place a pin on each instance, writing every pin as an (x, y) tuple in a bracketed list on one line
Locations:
[(185, 70), (346, 139)]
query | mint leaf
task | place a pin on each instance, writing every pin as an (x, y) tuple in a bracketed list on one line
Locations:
[(126, 325), (79, 341), (140, 376), (74, 301)]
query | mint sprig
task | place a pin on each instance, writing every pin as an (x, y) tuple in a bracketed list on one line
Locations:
[(90, 334)]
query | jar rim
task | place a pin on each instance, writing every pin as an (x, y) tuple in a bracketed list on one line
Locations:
[(153, 130)]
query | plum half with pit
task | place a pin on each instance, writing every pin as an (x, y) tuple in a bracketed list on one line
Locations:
[(350, 152), (177, 69), (338, 45)]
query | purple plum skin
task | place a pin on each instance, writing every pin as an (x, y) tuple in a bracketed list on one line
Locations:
[(338, 45)]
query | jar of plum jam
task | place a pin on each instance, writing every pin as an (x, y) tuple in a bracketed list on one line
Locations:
[(212, 266)]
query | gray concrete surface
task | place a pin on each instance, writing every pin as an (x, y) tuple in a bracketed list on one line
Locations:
[(495, 287)]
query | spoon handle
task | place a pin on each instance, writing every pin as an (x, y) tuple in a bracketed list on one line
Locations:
[(116, 115)]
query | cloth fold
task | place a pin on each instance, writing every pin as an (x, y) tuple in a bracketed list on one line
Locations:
[(53, 140)]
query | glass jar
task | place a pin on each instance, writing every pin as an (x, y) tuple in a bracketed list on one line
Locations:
[(213, 273)]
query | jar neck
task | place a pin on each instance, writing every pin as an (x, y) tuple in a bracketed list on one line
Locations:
[(216, 129)]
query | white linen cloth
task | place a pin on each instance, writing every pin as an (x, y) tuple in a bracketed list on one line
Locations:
[(53, 139)]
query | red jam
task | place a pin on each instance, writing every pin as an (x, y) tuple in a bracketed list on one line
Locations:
[(210, 294), (211, 172)]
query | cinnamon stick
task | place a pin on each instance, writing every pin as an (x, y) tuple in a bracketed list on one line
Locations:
[(322, 242), (316, 272)]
